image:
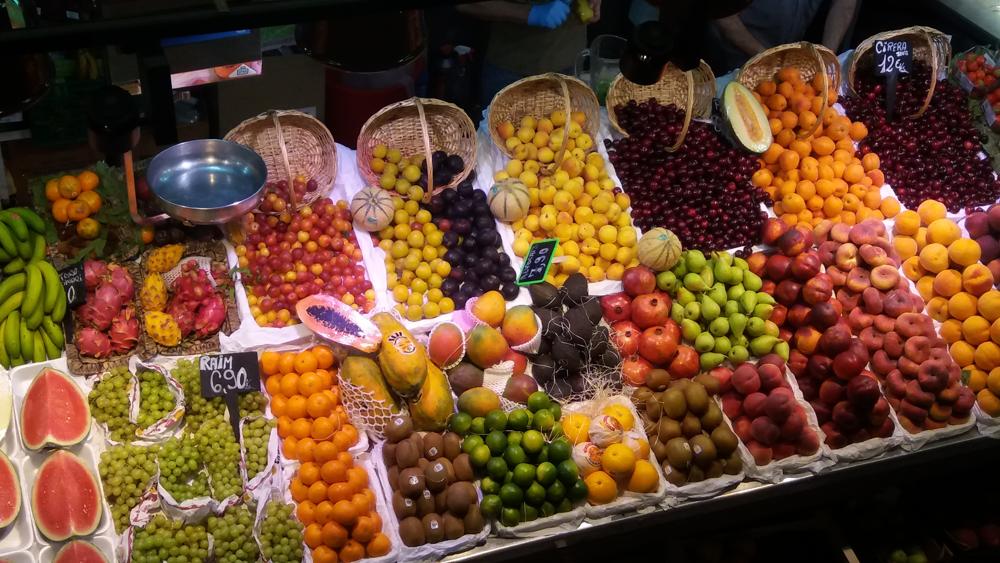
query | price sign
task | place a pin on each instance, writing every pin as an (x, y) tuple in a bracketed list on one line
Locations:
[(73, 282), (892, 58), (229, 376), (537, 261)]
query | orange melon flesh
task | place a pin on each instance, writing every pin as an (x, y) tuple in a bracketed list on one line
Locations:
[(746, 117)]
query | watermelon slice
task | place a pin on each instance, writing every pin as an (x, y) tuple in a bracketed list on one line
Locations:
[(80, 551), (336, 321), (66, 497), (54, 412), (10, 493)]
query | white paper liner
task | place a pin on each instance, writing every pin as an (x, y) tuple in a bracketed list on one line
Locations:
[(986, 424), (170, 423), (532, 346), (430, 551), (916, 441), (627, 501), (190, 510), (262, 479)]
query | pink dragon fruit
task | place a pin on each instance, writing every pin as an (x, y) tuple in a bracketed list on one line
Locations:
[(183, 314), (211, 313), (124, 331), (122, 281), (106, 303), (192, 284), (93, 343), (93, 272)]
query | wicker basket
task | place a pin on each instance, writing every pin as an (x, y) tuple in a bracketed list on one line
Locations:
[(692, 91), (537, 96), (808, 58), (291, 143), (929, 45), (419, 126)]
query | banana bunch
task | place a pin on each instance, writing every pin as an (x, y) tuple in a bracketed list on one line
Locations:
[(32, 299)]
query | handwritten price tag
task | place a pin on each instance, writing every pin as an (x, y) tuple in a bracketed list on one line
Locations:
[(74, 284), (893, 57), (229, 376), (537, 261)]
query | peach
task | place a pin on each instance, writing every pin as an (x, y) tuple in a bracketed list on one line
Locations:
[(873, 255), (884, 277), (931, 210), (933, 376), (777, 267), (798, 315), (745, 379), (939, 413), (858, 279), (865, 232), (978, 224), (772, 231), (792, 428), (907, 223), (912, 268), (925, 287), (840, 232), (951, 331), (976, 330), (995, 331), (943, 231), (845, 417), (859, 320), (871, 338), (964, 252), (795, 241), (961, 306), (934, 257), (821, 231), (762, 455), (917, 395), (921, 238), (756, 262), (818, 368), (753, 404), (947, 283), (987, 356), (817, 290), (963, 353), (881, 363), (909, 325), (764, 430), (847, 256), (732, 405), (892, 343), (937, 308), (989, 248), (905, 247), (917, 349), (827, 251), (871, 299), (884, 324), (994, 267), (848, 298), (805, 266), (897, 302), (741, 426), (822, 411), (895, 383), (989, 305), (779, 407), (838, 276), (977, 279), (834, 438)]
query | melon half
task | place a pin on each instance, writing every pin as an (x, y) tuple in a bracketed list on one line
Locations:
[(10, 493), (746, 117), (54, 412), (66, 497), (80, 551)]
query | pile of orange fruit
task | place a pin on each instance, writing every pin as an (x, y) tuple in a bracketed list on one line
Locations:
[(818, 176), (334, 500), (75, 198)]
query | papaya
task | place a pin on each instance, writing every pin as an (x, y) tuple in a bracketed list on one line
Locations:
[(402, 359), (478, 401), (432, 407), (363, 372)]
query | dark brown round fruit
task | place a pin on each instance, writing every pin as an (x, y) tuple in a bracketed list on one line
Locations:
[(712, 417), (672, 475), (473, 520), (703, 449), (673, 403), (658, 448), (710, 383), (697, 398), (389, 454), (658, 379), (403, 506), (690, 426), (725, 440), (411, 531), (407, 454), (679, 453), (392, 477), (425, 503), (411, 482), (640, 396), (668, 429), (454, 527), (399, 428), (734, 464), (452, 445), (441, 502), (433, 446), (433, 528), (436, 475), (715, 469), (461, 495), (695, 474), (463, 468)]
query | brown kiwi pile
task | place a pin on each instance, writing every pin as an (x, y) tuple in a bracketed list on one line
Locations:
[(685, 427), (433, 494)]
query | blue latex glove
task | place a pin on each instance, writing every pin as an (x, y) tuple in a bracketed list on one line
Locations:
[(550, 14)]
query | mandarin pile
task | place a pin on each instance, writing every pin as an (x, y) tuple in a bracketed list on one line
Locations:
[(75, 198)]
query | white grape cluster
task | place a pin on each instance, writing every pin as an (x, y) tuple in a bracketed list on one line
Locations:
[(126, 471), (280, 534), (232, 536), (256, 433), (181, 472), (198, 409), (109, 404), (170, 541), (155, 400), (221, 454)]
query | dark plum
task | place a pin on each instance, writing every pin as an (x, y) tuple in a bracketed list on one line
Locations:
[(489, 282), (454, 164), (449, 286), (462, 226), (509, 291), (450, 239)]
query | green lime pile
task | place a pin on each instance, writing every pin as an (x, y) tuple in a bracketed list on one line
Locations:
[(523, 460)]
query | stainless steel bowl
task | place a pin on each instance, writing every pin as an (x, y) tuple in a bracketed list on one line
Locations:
[(208, 181)]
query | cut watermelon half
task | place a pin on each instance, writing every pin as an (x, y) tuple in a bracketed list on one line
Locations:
[(80, 551), (66, 497), (334, 320), (54, 412), (10, 493)]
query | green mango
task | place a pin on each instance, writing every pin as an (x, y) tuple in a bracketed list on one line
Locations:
[(690, 329), (755, 327), (737, 323), (719, 326), (711, 360), (695, 260), (738, 354), (710, 310), (704, 343)]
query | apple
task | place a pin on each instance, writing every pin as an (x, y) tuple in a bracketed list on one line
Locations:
[(818, 289), (616, 307), (849, 363), (863, 392), (658, 345), (797, 362), (845, 418), (787, 292), (805, 266), (835, 339), (823, 315), (638, 280), (777, 267), (818, 368), (625, 336), (650, 309)]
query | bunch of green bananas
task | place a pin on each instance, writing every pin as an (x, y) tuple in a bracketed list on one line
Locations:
[(32, 299)]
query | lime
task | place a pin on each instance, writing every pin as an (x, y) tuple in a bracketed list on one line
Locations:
[(524, 475), (547, 509), (496, 420), (490, 506), (510, 517), (511, 495), (543, 420), (534, 495), (490, 486), (514, 438), (556, 492), (519, 419), (546, 473), (509, 477), (564, 506), (538, 400), (532, 442), (559, 450), (460, 423), (556, 432), (496, 467), (578, 491), (569, 473), (470, 442), (480, 456), (497, 442), (530, 513), (514, 455), (478, 425), (556, 410), (543, 455)]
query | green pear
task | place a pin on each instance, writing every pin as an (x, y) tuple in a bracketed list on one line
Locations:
[(740, 340), (690, 329), (694, 282), (704, 343), (735, 291), (711, 360), (740, 263), (718, 294), (677, 312), (666, 281), (763, 310), (684, 296), (752, 281), (748, 301), (738, 354), (736, 275), (719, 327), (755, 327), (897, 556), (722, 345), (731, 307), (782, 349), (709, 309), (721, 271), (737, 323), (708, 276), (771, 328), (762, 345), (692, 311), (765, 298), (695, 260), (680, 269)]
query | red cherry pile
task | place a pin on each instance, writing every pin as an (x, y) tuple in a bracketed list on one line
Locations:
[(701, 192), (277, 197)]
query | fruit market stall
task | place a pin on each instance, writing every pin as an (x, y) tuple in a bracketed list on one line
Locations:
[(570, 324)]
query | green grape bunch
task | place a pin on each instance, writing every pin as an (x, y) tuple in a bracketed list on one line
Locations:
[(280, 534), (221, 453), (181, 465), (198, 409), (256, 434), (127, 471), (109, 404), (232, 536), (155, 399), (170, 541)]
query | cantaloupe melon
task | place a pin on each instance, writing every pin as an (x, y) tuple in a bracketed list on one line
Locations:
[(372, 209), (509, 200), (746, 117), (659, 249)]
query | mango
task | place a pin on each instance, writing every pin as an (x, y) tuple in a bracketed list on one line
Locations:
[(485, 346), (432, 407), (363, 372), (402, 359), (478, 401)]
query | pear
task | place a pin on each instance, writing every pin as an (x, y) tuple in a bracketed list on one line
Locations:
[(721, 271), (694, 282), (740, 340), (684, 296), (690, 329), (695, 260), (752, 281), (763, 310), (735, 291), (736, 275), (737, 323), (710, 360), (710, 310), (723, 345), (766, 298), (718, 294), (740, 263), (680, 269), (771, 328), (738, 354), (763, 344), (667, 281), (731, 307), (705, 342), (748, 301), (708, 277), (692, 311), (677, 312), (719, 326), (755, 327), (724, 257), (782, 349)]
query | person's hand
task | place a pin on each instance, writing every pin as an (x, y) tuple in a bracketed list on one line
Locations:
[(549, 15), (595, 5)]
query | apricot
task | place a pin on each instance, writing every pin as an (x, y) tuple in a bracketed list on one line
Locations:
[(987, 356), (907, 223), (937, 308), (961, 306), (943, 231), (976, 330), (995, 331), (964, 251), (992, 381), (823, 146), (962, 352), (947, 283), (905, 246), (925, 287), (921, 237), (912, 268), (951, 330), (934, 257), (977, 379), (989, 402), (931, 210), (977, 279), (989, 305)]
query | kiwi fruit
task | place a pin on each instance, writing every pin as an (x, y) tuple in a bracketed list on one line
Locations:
[(404, 507), (407, 454), (411, 482), (544, 295), (667, 429), (695, 474), (454, 527), (725, 440), (703, 449), (679, 453), (436, 476), (441, 502), (659, 449), (463, 468), (418, 441), (654, 410), (640, 396), (452, 445), (389, 454), (392, 477), (710, 382), (433, 528), (674, 404), (422, 464), (473, 520), (734, 464), (690, 425), (712, 417), (672, 475), (658, 379), (411, 531), (433, 446), (399, 428), (679, 383), (425, 503), (460, 496), (697, 398), (715, 469)]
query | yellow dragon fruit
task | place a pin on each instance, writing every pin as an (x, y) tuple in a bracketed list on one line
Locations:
[(162, 328), (153, 295), (164, 258)]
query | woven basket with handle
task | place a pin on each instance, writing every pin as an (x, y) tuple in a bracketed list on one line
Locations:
[(691, 91), (929, 45), (419, 126), (292, 144), (538, 96), (808, 58)]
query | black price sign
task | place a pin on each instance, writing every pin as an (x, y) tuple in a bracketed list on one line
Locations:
[(73, 282), (228, 376), (892, 58), (537, 261)]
